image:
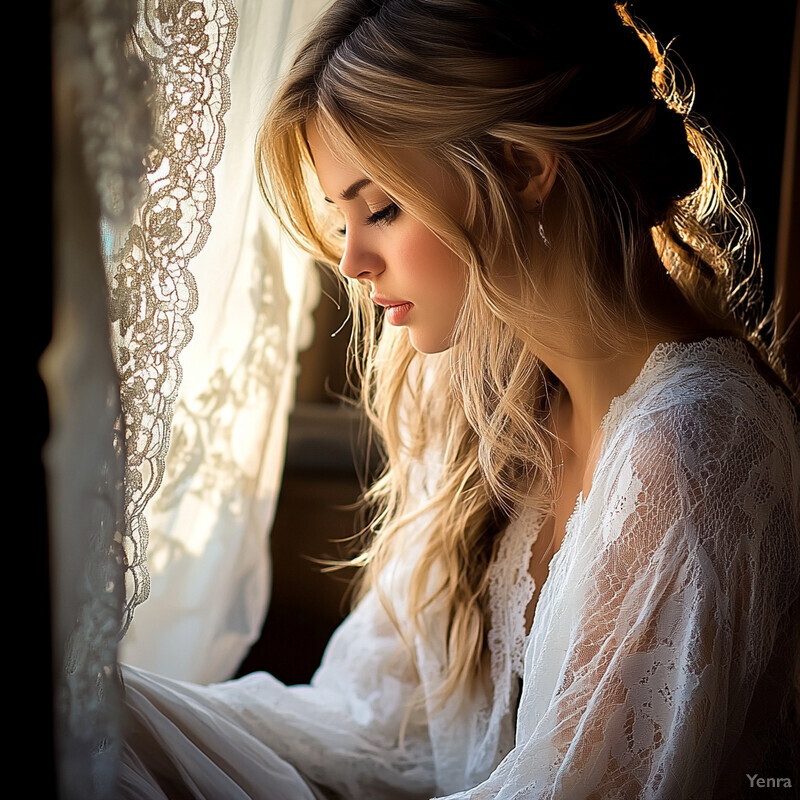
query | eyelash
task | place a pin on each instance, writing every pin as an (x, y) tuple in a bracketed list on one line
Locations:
[(384, 216)]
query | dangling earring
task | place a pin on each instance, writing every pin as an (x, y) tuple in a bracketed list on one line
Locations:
[(542, 234)]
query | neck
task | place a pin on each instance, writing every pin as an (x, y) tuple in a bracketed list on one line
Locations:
[(590, 372), (591, 375), (589, 381)]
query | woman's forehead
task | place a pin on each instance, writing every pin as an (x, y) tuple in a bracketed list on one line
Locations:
[(335, 170), (394, 170)]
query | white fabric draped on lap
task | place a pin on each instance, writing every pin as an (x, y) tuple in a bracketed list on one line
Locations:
[(662, 612)]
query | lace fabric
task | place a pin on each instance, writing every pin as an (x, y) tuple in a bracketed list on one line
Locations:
[(101, 129), (208, 522), (656, 626), (153, 291), (662, 606)]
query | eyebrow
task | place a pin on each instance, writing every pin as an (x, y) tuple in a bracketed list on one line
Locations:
[(352, 191)]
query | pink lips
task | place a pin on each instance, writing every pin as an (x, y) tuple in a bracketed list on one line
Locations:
[(396, 314), (396, 310)]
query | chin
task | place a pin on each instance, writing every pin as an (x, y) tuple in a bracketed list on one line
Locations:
[(428, 345)]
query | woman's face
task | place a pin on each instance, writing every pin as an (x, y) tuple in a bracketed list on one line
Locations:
[(418, 280)]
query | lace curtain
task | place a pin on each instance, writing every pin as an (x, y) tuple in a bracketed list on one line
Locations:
[(205, 466), (166, 444), (153, 292), (101, 130)]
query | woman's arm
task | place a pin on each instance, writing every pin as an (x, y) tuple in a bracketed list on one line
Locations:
[(254, 737)]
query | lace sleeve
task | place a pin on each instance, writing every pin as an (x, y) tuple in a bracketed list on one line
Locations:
[(347, 732), (654, 628)]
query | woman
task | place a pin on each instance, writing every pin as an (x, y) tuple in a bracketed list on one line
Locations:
[(582, 579)]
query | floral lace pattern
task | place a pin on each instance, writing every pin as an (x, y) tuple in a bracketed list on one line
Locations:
[(511, 587), (187, 46), (684, 558)]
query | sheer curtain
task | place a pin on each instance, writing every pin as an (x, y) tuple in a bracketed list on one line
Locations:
[(206, 468), (166, 445), (101, 130)]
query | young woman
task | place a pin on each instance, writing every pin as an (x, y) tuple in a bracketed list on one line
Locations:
[(582, 577)]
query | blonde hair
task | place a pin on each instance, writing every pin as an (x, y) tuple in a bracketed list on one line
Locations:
[(642, 186)]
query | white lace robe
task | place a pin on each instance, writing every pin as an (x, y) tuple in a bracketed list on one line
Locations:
[(662, 617)]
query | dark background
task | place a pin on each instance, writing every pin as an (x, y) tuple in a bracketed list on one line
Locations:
[(739, 55)]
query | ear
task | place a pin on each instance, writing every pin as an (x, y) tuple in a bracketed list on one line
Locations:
[(536, 172)]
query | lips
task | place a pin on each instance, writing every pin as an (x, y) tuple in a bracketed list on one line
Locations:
[(396, 310), (388, 302)]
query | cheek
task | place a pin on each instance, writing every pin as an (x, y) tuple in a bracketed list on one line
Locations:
[(428, 263)]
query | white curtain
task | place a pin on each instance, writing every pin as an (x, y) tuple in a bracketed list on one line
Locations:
[(178, 419), (212, 452), (101, 131)]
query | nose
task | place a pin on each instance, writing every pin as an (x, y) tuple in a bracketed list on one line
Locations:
[(360, 262)]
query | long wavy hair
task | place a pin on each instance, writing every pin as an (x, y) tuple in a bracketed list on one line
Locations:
[(642, 203)]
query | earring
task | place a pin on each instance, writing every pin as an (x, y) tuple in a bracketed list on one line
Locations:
[(542, 234)]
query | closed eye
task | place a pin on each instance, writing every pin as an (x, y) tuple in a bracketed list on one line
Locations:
[(384, 216)]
